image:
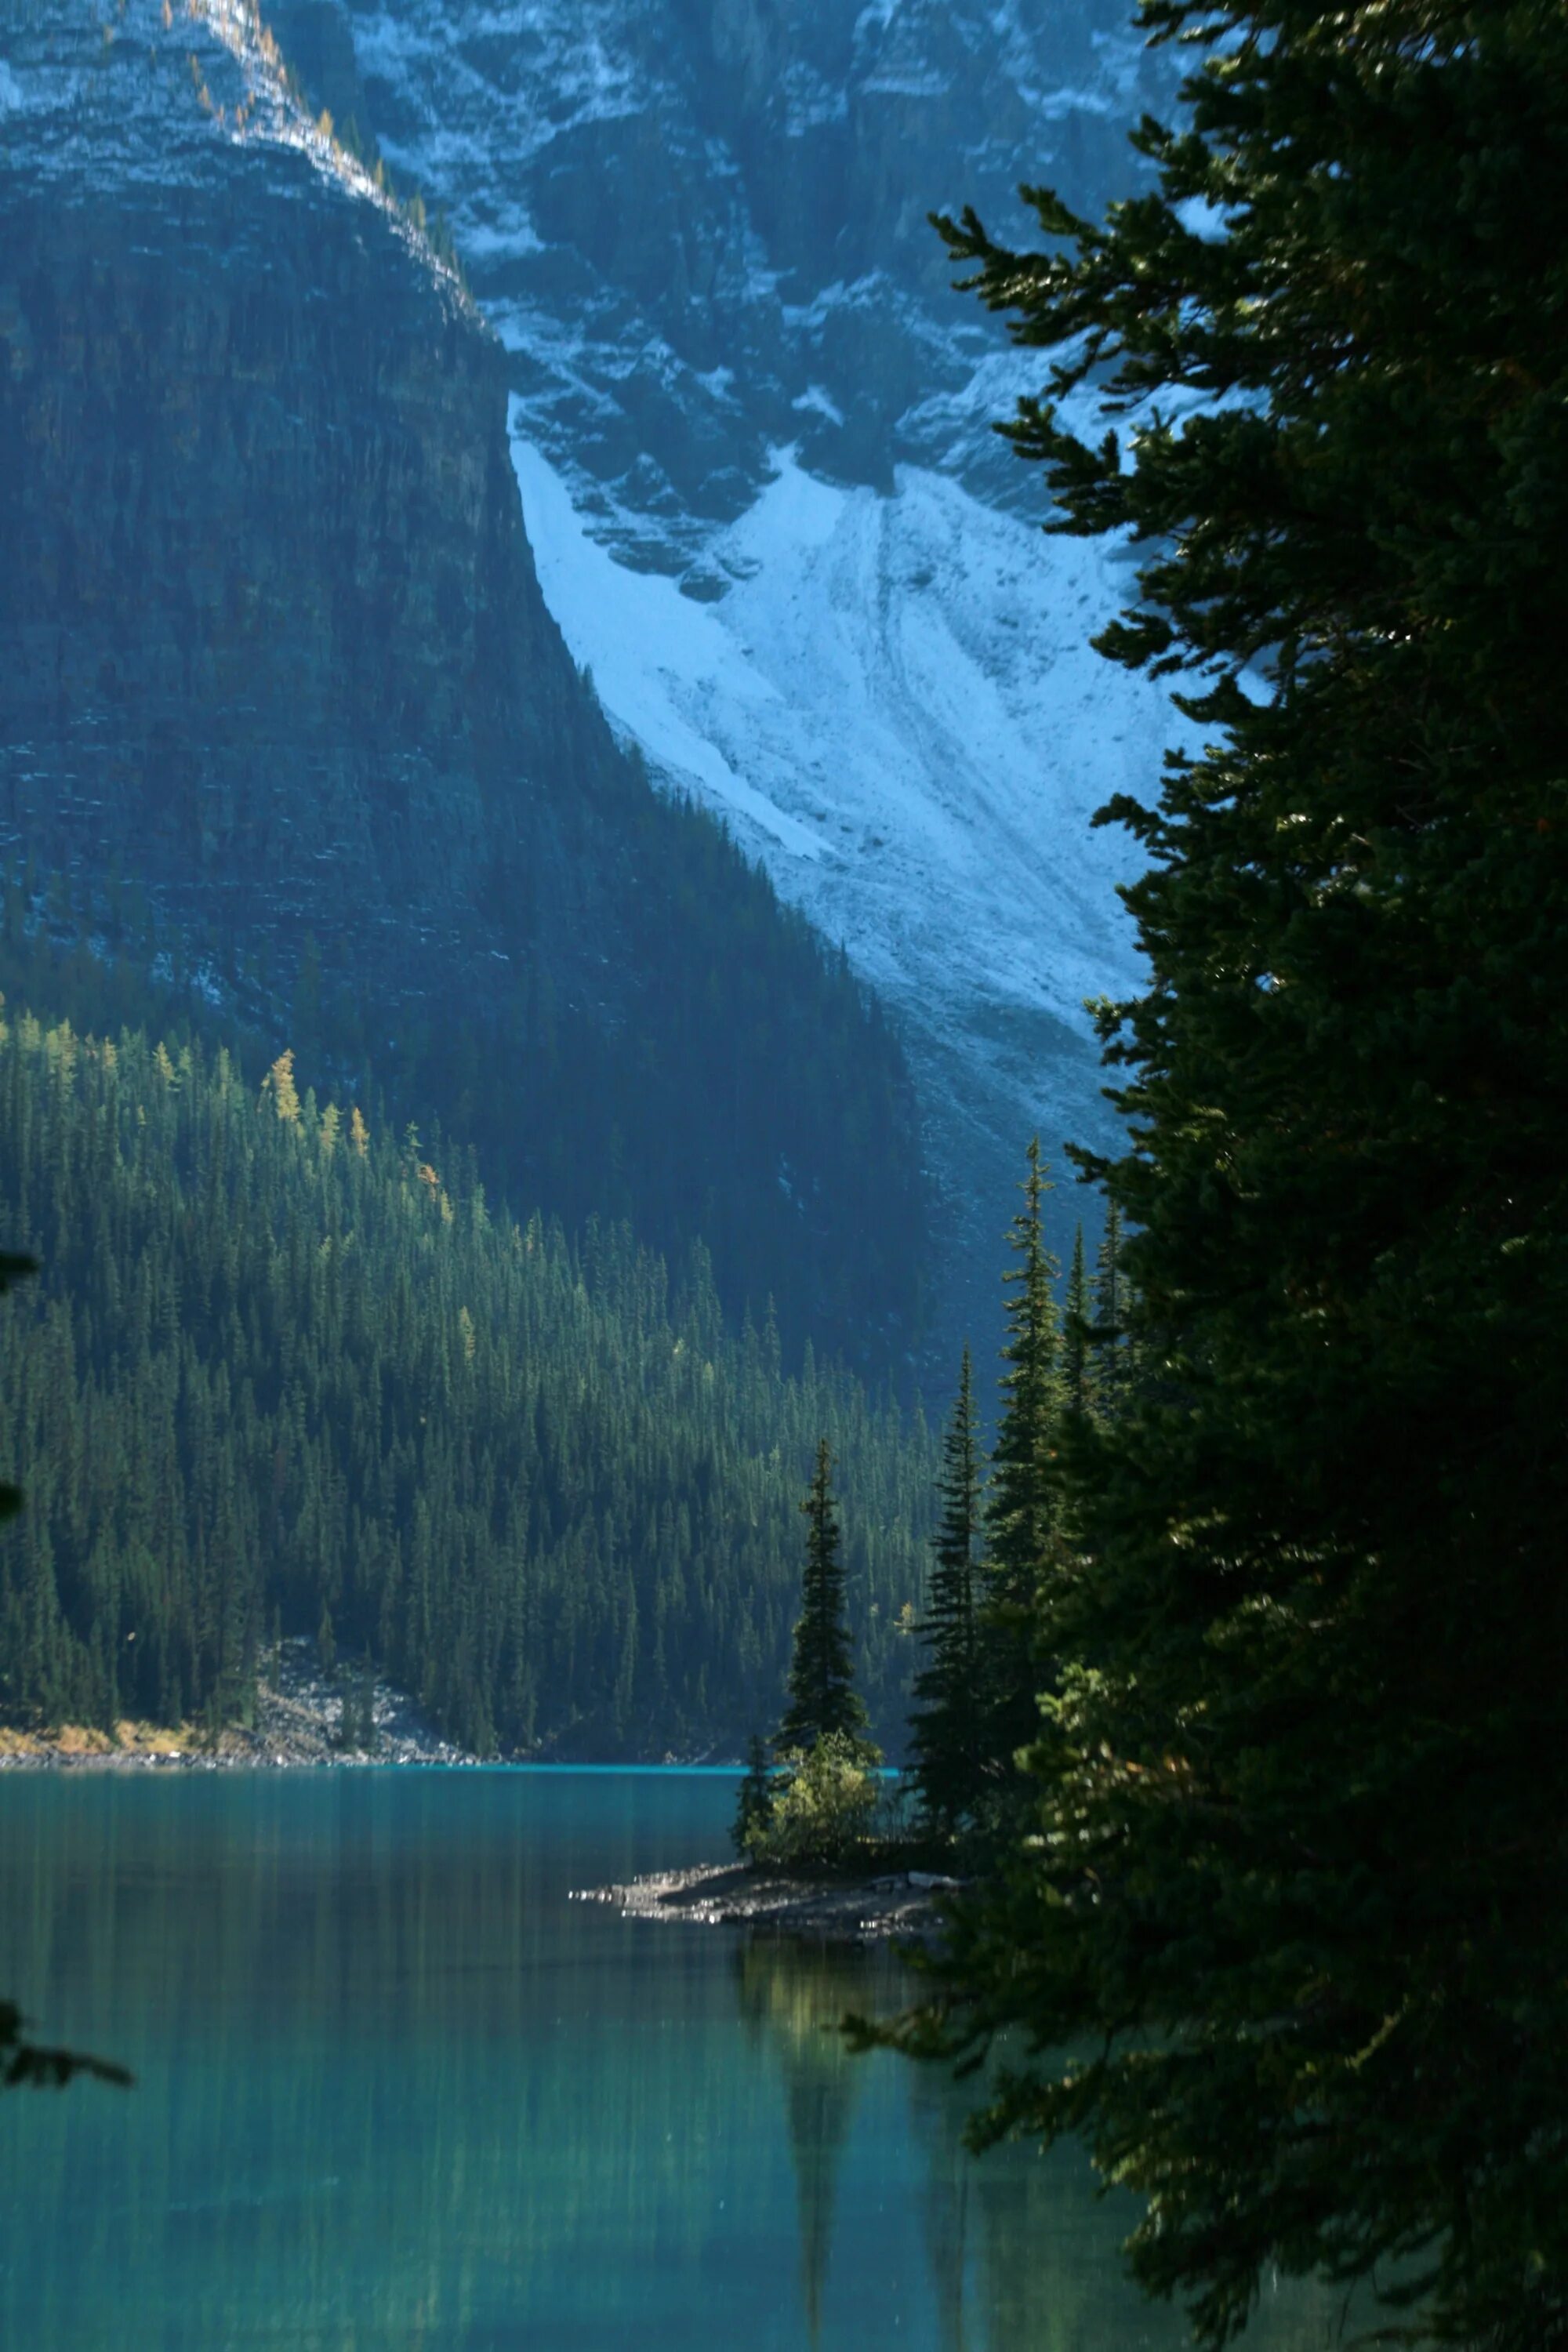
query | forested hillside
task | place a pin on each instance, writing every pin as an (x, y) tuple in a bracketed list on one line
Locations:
[(283, 1370), (749, 1026)]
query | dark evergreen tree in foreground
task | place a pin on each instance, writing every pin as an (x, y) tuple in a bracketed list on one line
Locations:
[(977, 1698), (822, 1698), (1297, 1895), (1113, 1359), (948, 1728)]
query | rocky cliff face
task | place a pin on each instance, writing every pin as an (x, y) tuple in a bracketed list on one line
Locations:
[(272, 645), (700, 225), (752, 424), (273, 636)]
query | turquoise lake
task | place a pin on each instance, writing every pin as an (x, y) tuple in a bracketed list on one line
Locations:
[(396, 2090)]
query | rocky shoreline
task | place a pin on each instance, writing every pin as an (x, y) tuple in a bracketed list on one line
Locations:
[(298, 1724), (898, 1905)]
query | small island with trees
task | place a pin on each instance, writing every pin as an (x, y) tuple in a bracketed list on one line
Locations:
[(830, 1844)]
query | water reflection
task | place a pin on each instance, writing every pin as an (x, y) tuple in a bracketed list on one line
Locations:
[(1022, 2251), (794, 1996), (991, 2295), (396, 2090), (938, 2119)]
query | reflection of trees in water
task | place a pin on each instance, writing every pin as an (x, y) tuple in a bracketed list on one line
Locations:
[(1024, 2255), (367, 2048), (1026, 2252), (1023, 2250), (1034, 2295), (795, 1995), (990, 2229), (938, 2117), (995, 2239)]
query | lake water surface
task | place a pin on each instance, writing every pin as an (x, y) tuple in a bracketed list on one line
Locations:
[(394, 2090)]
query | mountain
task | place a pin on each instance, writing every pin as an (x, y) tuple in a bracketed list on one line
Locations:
[(284, 714), (751, 423)]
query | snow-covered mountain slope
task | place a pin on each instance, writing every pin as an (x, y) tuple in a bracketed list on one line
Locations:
[(896, 706), (898, 710), (751, 427)]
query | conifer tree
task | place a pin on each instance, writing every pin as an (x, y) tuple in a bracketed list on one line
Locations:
[(1113, 1362), (12, 1268), (754, 1804), (1297, 1875), (285, 1093), (822, 1694), (1076, 1333), (947, 1731), (1022, 1503)]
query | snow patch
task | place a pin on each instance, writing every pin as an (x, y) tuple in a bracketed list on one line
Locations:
[(819, 404), (657, 657), (897, 708)]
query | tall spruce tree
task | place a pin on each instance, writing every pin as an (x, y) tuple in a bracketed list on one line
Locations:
[(947, 1729), (1299, 1879), (1022, 1505), (1076, 1332), (822, 1694), (1113, 1359)]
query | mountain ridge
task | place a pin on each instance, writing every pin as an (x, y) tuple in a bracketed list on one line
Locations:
[(274, 651), (739, 372)]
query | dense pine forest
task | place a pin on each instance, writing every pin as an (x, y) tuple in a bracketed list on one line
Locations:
[(286, 1372)]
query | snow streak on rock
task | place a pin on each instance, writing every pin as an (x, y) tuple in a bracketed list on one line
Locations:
[(897, 708)]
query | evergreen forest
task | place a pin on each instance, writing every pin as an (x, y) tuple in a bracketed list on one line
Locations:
[(283, 1373)]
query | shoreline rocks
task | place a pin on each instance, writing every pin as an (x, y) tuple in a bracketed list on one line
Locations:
[(297, 1715), (899, 1904)]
